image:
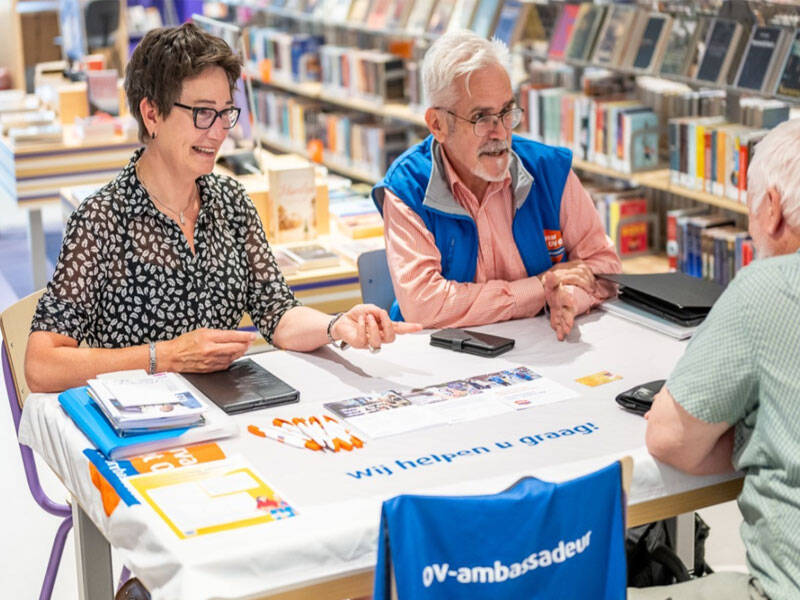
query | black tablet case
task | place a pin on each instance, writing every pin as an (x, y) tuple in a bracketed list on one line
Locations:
[(243, 386), (677, 297)]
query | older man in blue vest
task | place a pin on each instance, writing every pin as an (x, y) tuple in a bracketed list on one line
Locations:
[(482, 226)]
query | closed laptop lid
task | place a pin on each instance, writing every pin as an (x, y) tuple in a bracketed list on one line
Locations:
[(678, 289)]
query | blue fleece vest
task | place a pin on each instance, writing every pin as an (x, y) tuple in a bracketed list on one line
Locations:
[(456, 234)]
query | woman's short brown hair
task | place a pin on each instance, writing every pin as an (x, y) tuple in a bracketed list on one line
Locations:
[(168, 55)]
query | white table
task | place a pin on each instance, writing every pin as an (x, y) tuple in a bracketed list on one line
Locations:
[(328, 550)]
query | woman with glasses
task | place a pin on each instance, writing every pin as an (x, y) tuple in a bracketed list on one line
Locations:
[(158, 267), (482, 225)]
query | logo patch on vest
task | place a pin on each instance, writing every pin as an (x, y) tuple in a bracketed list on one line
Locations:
[(555, 245)]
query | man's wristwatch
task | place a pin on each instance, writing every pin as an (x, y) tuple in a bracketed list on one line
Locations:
[(341, 345)]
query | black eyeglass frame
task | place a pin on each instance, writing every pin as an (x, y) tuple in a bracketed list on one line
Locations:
[(517, 110), (219, 114)]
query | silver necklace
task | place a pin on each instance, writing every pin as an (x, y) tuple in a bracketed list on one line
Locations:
[(179, 213)]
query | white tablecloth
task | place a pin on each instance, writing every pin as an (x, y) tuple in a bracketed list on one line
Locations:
[(338, 504)]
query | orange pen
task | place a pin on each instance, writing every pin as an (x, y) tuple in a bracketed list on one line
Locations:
[(331, 442), (284, 438), (300, 423), (341, 432)]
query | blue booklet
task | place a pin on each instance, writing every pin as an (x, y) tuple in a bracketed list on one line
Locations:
[(79, 405)]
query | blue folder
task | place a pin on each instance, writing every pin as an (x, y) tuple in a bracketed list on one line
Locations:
[(92, 422)]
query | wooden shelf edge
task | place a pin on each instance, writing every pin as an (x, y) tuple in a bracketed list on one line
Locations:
[(646, 263), (659, 180), (596, 169)]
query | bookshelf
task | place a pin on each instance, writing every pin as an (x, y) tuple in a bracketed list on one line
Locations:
[(399, 112), (659, 182)]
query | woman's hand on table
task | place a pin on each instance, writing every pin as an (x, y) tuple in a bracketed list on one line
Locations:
[(203, 350), (367, 326)]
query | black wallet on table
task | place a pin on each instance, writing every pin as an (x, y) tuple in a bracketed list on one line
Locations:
[(243, 386), (471, 342), (639, 399)]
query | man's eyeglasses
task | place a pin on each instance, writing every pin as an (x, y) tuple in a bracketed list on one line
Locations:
[(483, 125), (204, 116)]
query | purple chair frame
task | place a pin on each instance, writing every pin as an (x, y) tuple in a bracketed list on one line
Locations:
[(32, 475)]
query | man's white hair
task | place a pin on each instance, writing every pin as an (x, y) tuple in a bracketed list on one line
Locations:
[(776, 164), (453, 55)]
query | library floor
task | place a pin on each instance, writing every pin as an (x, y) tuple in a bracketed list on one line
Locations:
[(29, 530)]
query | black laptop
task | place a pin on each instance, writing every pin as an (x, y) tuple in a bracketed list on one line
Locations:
[(243, 386), (677, 297)]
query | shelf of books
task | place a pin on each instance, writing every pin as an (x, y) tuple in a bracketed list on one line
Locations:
[(668, 104), (630, 104)]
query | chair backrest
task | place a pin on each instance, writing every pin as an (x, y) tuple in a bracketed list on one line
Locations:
[(373, 275), (102, 20), (536, 539), (15, 324)]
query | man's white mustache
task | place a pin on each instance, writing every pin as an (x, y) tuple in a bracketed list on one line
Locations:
[(493, 147)]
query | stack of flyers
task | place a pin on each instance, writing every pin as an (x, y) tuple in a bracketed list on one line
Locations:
[(135, 402)]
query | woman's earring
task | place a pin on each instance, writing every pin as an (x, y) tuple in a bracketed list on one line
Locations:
[(153, 135)]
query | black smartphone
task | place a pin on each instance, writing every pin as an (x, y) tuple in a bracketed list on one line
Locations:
[(639, 399), (471, 342)]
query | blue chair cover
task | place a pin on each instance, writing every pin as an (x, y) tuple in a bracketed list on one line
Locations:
[(534, 540)]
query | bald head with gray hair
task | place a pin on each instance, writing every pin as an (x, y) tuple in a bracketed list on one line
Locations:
[(457, 54), (776, 164)]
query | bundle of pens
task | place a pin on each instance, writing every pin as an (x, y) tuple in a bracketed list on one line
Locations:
[(314, 433)]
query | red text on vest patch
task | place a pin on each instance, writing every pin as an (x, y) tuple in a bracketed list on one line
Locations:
[(555, 245)]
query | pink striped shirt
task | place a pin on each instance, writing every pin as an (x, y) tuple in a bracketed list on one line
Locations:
[(502, 289)]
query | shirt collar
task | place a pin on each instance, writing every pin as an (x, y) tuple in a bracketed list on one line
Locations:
[(439, 195)]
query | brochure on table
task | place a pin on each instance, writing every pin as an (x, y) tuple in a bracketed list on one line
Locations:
[(467, 399), (211, 497), (648, 319)]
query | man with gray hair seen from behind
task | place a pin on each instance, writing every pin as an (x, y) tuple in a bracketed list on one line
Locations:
[(732, 400), (482, 226)]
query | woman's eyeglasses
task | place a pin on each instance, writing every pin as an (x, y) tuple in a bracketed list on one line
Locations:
[(204, 117)]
